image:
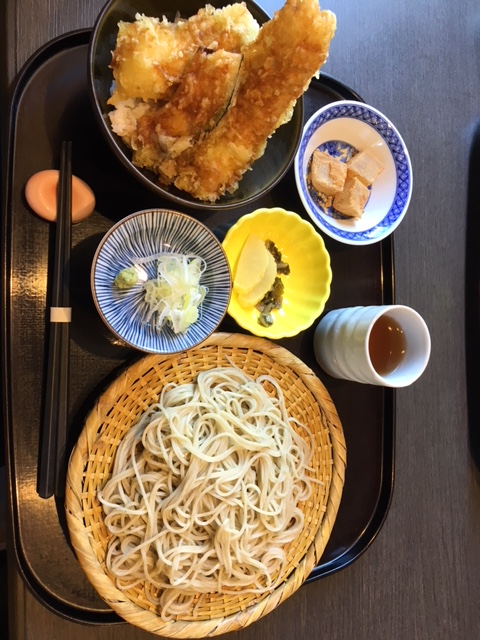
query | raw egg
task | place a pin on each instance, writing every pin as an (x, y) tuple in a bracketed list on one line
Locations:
[(41, 195)]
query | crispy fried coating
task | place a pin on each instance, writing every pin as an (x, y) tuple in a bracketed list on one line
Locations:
[(200, 100), (149, 57), (277, 68), (151, 54), (229, 28)]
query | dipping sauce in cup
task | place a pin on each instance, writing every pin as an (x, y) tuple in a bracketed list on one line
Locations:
[(386, 345)]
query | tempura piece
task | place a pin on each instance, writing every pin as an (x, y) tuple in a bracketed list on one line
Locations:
[(230, 28), (151, 54), (277, 68), (149, 57), (201, 99)]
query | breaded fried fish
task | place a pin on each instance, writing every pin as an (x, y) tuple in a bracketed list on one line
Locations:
[(151, 54), (276, 69)]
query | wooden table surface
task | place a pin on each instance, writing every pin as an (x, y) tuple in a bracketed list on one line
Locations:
[(418, 62)]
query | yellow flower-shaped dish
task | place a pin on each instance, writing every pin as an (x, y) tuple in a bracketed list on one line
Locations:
[(306, 287)]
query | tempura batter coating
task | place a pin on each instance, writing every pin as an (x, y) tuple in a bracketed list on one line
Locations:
[(200, 100), (277, 68), (151, 54), (230, 28)]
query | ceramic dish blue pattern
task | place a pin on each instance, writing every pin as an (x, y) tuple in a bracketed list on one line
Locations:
[(351, 124), (148, 233)]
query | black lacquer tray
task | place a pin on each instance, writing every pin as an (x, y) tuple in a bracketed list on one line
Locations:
[(50, 103)]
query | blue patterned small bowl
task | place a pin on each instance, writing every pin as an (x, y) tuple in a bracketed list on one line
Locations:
[(343, 128), (136, 242)]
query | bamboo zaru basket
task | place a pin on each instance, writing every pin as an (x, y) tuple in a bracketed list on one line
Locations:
[(120, 407)]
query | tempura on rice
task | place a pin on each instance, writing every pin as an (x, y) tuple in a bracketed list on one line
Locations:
[(151, 54), (157, 85)]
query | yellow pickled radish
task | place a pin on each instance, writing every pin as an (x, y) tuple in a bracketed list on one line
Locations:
[(253, 296), (252, 265)]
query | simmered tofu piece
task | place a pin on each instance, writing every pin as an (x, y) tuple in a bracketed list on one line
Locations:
[(365, 166), (352, 200), (327, 173)]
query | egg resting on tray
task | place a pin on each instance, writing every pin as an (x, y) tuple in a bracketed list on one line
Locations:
[(241, 107)]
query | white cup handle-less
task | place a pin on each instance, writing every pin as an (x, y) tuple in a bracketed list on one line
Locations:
[(341, 344)]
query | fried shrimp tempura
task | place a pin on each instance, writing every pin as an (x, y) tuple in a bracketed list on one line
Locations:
[(151, 54), (277, 68)]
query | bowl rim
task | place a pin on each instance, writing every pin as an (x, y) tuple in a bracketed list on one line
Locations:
[(143, 176), (378, 231), (177, 214), (264, 332)]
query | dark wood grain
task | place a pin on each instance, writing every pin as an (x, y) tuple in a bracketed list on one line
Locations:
[(419, 63)]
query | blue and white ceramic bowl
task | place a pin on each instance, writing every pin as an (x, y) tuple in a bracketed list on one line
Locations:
[(343, 128), (140, 236)]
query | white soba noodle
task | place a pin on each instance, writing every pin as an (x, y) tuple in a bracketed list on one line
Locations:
[(204, 491)]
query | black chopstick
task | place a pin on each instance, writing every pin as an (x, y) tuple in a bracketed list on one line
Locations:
[(55, 415)]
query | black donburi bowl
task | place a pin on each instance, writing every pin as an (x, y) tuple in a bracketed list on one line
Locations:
[(265, 173)]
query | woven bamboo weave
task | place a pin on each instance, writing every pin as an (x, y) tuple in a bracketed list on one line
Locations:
[(119, 408)]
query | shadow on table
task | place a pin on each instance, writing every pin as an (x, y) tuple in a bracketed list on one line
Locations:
[(472, 297)]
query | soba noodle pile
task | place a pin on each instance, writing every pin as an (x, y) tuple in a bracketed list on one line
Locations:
[(204, 492)]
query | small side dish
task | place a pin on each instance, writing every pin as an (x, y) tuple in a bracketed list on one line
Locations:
[(353, 172), (161, 281), (281, 273)]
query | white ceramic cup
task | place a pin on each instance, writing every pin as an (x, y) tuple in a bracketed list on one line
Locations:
[(349, 342)]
